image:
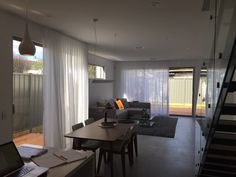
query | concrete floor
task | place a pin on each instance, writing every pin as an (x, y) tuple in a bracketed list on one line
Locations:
[(161, 157)]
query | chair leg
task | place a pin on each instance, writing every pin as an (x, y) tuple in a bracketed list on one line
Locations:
[(99, 160), (136, 145), (105, 157), (123, 162), (130, 153)]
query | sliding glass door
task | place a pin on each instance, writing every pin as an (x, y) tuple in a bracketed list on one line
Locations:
[(27, 96), (180, 91), (201, 100)]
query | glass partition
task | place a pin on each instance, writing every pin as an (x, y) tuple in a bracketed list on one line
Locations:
[(220, 13)]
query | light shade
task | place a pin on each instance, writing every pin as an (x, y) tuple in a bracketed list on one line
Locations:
[(26, 46)]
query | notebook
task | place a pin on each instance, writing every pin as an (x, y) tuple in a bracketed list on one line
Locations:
[(27, 152), (57, 158)]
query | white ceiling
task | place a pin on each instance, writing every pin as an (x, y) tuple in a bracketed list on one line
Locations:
[(174, 30)]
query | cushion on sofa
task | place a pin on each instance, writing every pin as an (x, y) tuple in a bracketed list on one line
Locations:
[(124, 102), (121, 113), (119, 104), (134, 111)]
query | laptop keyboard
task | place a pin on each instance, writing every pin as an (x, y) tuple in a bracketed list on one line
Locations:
[(22, 172)]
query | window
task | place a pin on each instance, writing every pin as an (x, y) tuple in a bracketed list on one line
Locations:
[(27, 64), (96, 72)]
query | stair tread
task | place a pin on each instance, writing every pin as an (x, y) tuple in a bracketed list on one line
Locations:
[(220, 171), (220, 164), (229, 109), (205, 175), (223, 147), (233, 105), (222, 141), (225, 126), (232, 86), (220, 160), (225, 135), (222, 152), (227, 122), (222, 157)]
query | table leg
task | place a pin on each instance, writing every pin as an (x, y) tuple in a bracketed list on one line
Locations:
[(111, 159)]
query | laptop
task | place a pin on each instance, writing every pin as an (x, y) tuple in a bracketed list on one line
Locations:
[(12, 164)]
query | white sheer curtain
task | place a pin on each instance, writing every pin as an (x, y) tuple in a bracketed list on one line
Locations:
[(150, 85), (65, 87)]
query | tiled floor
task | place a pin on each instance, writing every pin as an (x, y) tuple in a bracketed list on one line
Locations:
[(161, 157)]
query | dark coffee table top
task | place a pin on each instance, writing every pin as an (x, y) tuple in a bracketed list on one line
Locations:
[(146, 123)]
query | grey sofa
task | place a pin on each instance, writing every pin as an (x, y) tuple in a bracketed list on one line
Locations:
[(132, 109)]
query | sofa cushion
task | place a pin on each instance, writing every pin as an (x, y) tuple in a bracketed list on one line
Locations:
[(134, 111), (119, 104), (124, 102), (121, 113)]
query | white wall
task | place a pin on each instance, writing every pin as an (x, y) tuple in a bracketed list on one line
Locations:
[(101, 91), (196, 64), (10, 26)]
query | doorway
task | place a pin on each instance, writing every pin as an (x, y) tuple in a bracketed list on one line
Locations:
[(27, 96), (181, 91)]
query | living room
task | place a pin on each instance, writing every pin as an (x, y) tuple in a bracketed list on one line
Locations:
[(135, 64)]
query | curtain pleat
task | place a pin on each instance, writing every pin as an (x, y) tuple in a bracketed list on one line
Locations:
[(148, 85), (65, 87)]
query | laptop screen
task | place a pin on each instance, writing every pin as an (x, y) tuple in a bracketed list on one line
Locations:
[(10, 159)]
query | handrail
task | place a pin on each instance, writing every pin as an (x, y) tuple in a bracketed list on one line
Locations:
[(221, 99)]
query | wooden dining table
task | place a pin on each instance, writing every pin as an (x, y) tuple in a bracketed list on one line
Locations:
[(94, 131)]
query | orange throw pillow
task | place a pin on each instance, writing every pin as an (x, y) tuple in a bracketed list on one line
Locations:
[(119, 104)]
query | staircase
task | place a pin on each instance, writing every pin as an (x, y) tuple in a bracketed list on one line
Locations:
[(219, 158)]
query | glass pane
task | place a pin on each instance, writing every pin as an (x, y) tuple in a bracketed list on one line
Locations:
[(201, 101), (96, 72), (27, 97), (180, 91)]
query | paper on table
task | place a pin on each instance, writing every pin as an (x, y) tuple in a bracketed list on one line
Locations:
[(48, 160), (27, 152), (70, 155)]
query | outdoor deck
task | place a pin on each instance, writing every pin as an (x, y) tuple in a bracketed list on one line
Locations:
[(30, 138)]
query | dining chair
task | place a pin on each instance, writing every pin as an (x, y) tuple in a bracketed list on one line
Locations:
[(121, 146), (79, 144), (89, 121)]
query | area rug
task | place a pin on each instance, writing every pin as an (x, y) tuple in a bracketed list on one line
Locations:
[(164, 126)]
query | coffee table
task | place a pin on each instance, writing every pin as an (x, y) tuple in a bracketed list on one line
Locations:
[(142, 121), (146, 123)]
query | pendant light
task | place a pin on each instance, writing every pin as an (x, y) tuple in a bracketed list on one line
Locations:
[(95, 20), (26, 46)]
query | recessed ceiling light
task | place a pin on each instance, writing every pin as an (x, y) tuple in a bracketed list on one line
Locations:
[(187, 49), (139, 47), (155, 3), (152, 58)]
